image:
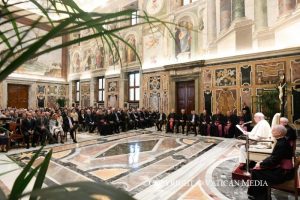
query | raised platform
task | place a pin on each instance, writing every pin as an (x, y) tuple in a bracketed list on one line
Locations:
[(238, 174)]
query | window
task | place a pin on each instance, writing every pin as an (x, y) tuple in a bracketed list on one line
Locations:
[(134, 18), (134, 87), (101, 89), (77, 89)]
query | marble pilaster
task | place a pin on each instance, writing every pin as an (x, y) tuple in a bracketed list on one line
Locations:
[(122, 89), (260, 14), (70, 93), (211, 16), (92, 91), (238, 9), (225, 14)]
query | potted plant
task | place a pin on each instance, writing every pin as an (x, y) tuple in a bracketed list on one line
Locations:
[(61, 102)]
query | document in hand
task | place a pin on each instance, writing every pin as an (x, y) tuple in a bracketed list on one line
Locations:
[(240, 128)]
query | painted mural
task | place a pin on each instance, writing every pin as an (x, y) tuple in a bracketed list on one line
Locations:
[(130, 55), (152, 43), (113, 56), (295, 65), (49, 64), (99, 56), (183, 37), (154, 6), (226, 100), (225, 77), (268, 73)]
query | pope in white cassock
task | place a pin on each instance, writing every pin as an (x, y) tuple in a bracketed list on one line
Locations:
[(261, 131)]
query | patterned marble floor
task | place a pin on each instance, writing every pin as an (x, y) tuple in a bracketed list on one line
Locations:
[(147, 164)]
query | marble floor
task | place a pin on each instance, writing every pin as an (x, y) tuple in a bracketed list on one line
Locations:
[(149, 165)]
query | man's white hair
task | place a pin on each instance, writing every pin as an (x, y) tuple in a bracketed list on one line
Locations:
[(281, 129), (259, 114), (284, 119)]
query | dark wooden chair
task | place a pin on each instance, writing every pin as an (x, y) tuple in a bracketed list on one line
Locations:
[(291, 186)]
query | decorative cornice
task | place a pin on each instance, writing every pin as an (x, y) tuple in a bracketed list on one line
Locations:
[(186, 65)]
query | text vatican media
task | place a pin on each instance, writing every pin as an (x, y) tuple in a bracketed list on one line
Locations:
[(218, 183)]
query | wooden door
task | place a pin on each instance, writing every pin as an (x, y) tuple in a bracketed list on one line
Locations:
[(185, 96), (17, 96)]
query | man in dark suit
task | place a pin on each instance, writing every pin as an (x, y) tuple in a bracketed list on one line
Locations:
[(27, 129), (90, 121), (69, 126), (112, 121), (141, 117), (193, 120), (42, 127), (204, 123), (134, 120), (181, 121), (161, 118), (117, 120)]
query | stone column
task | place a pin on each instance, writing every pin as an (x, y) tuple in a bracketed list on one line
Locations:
[(238, 9), (71, 93), (92, 91), (260, 14), (225, 14), (211, 17), (286, 6)]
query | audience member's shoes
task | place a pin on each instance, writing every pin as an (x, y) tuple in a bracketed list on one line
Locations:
[(27, 147), (242, 166), (74, 141), (33, 145), (195, 134), (62, 142)]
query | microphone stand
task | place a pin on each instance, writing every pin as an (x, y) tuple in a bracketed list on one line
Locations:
[(247, 173)]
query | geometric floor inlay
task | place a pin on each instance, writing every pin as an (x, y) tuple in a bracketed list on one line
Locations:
[(149, 165), (125, 148)]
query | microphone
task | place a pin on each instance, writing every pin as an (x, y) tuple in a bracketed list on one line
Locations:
[(247, 123)]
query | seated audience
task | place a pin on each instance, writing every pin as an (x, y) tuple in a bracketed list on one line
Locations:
[(90, 121), (56, 128), (204, 123), (230, 125), (218, 122), (28, 128), (160, 120), (192, 121), (69, 126), (181, 121), (42, 127), (171, 121)]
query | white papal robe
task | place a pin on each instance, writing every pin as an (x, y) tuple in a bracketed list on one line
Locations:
[(261, 131)]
